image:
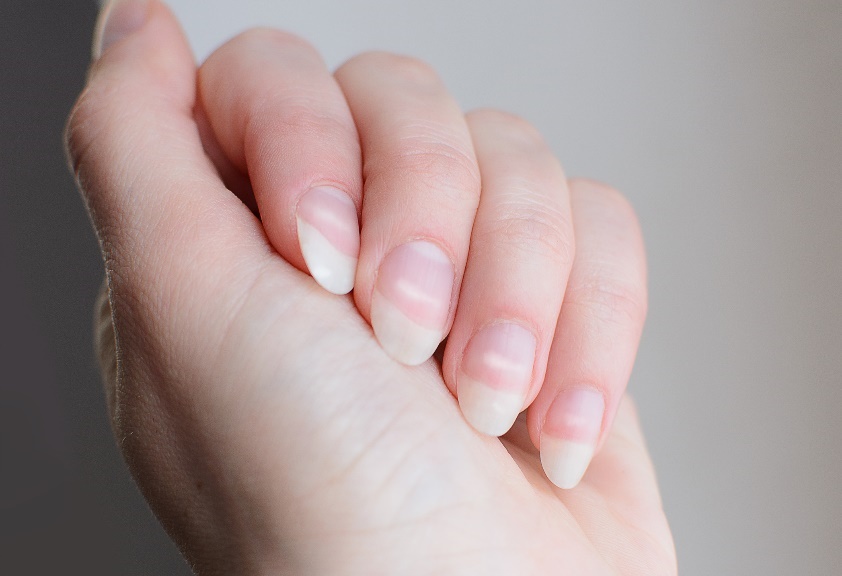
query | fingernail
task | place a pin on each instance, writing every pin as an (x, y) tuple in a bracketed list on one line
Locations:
[(569, 436), (329, 236), (118, 19), (494, 377), (411, 301)]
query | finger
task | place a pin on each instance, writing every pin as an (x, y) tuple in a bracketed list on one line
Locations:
[(597, 335), (421, 194), (162, 214), (520, 257), (278, 114)]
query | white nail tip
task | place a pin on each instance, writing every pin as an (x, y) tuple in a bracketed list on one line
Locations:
[(332, 269), (430, 252), (489, 411), (401, 338), (565, 462)]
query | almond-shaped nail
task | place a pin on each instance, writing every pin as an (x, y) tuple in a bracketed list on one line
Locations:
[(329, 236), (570, 433), (494, 377), (118, 19), (411, 301)]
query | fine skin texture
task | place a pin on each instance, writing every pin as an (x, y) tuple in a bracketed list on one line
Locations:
[(271, 429)]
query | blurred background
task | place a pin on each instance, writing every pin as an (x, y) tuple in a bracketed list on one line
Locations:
[(721, 120)]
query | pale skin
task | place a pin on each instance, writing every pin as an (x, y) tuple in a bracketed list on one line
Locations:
[(279, 425)]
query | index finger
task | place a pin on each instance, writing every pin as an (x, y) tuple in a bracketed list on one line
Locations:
[(279, 115)]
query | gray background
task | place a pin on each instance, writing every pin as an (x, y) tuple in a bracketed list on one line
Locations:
[(722, 121)]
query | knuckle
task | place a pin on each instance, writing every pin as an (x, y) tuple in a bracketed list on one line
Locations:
[(410, 69), (611, 209), (515, 127), (608, 196), (591, 186), (407, 69), (260, 37), (291, 112), (610, 300), (445, 166), (535, 229), (256, 47)]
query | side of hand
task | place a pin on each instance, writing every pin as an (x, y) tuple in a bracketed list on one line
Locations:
[(270, 428)]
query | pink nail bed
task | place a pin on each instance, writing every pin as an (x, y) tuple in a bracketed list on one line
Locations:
[(575, 415), (494, 376), (501, 356), (333, 214), (417, 279)]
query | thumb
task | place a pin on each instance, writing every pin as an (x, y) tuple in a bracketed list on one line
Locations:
[(136, 151), (172, 237), (167, 226)]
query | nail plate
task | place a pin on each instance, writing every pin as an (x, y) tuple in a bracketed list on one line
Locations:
[(495, 375), (570, 433), (118, 19), (411, 301), (329, 237)]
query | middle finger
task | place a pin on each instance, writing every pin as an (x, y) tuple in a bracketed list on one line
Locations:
[(421, 191)]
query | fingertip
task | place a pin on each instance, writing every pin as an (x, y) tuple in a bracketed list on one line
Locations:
[(488, 411), (400, 336), (570, 434), (565, 462), (143, 37), (329, 237), (411, 301), (494, 376)]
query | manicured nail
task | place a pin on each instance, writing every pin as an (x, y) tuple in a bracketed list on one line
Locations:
[(118, 19), (411, 301), (570, 433), (494, 377), (329, 236)]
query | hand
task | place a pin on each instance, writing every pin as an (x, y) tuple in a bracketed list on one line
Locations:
[(258, 413)]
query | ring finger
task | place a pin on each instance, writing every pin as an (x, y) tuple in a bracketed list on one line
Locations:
[(520, 257)]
